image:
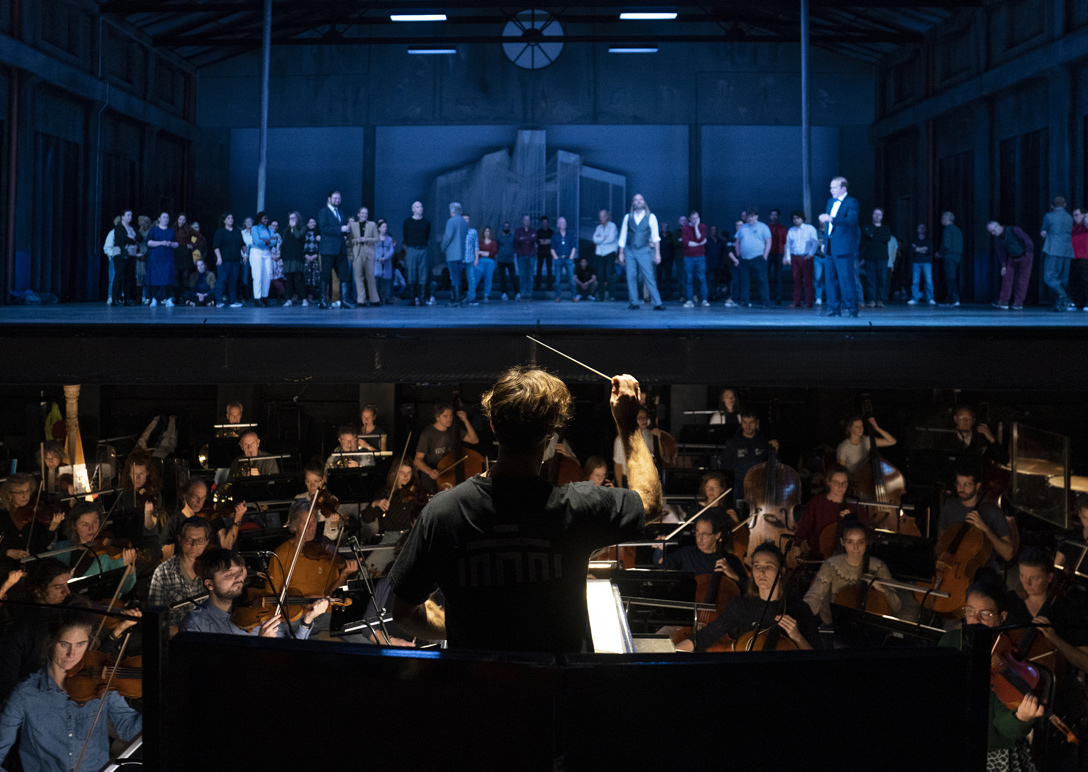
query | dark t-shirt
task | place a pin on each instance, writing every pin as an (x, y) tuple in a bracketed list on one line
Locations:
[(230, 245), (921, 257), (544, 234), (510, 556), (954, 512), (435, 443), (744, 613), (417, 232)]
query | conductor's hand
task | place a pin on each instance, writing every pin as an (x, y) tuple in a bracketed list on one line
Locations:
[(625, 403)]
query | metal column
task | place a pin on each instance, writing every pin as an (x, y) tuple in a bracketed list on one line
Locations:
[(806, 129), (262, 147)]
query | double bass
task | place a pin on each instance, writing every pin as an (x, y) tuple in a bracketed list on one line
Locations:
[(772, 491), (460, 463), (877, 480)]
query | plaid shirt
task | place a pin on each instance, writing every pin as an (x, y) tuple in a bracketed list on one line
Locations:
[(169, 585)]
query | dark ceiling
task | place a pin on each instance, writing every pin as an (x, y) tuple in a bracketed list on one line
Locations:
[(207, 31)]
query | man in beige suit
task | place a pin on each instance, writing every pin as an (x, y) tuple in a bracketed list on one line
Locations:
[(365, 236)]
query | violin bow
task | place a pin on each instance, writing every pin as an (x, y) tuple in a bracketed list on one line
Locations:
[(116, 594), (101, 703), (332, 562), (396, 477), (298, 550), (37, 498)]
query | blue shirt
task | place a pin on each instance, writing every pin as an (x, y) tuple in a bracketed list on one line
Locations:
[(209, 618), (751, 240), (54, 727), (260, 233), (563, 245), (472, 243)]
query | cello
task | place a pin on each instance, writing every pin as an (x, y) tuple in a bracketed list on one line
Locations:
[(879, 481), (713, 592), (961, 550)]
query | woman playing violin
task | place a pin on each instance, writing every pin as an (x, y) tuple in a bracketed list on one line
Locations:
[(53, 729), (844, 570), (328, 524), (745, 612), (22, 530), (96, 556), (1007, 728), (394, 510)]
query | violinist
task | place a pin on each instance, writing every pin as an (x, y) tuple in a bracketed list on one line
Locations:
[(51, 457), (1063, 620), (193, 503), (84, 530), (745, 612), (509, 550), (968, 506), (745, 449), (313, 476), (436, 440), (53, 729), (46, 582), (317, 572), (845, 570), (1006, 746), (595, 470), (706, 555), (395, 509), (251, 463), (710, 488), (619, 458), (20, 530), (371, 436), (854, 450), (140, 511), (826, 509), (223, 574), (179, 578)]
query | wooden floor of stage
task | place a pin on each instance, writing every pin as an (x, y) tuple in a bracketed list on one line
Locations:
[(509, 315)]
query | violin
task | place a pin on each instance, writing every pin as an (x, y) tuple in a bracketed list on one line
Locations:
[(1013, 679), (89, 678), (260, 606), (41, 513), (1030, 643)]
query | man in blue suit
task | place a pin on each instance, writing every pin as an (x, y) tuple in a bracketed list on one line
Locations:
[(332, 226), (843, 238), (453, 245)]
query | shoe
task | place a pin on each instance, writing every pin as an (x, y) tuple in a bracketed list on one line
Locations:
[(147, 301), (1085, 308), (220, 305), (474, 302), (169, 303), (660, 307), (607, 296), (795, 305), (305, 303), (431, 301), (575, 299), (688, 304), (1017, 308), (154, 302), (912, 302), (1002, 306), (287, 303), (349, 304), (932, 302), (1070, 306), (591, 298), (334, 304), (109, 301), (453, 304), (950, 305), (704, 304), (871, 304), (819, 302), (485, 300), (517, 296), (504, 297), (633, 307), (324, 305), (853, 314), (880, 304), (730, 304), (375, 304), (237, 304), (834, 313)]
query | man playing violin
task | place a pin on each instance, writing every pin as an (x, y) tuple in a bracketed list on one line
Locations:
[(252, 462), (194, 498), (223, 575), (53, 728), (968, 507), (985, 605), (178, 578), (509, 550), (436, 440)]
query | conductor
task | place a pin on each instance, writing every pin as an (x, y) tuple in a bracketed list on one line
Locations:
[(509, 550)]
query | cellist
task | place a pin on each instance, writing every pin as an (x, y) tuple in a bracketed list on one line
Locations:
[(705, 556), (841, 571), (969, 507), (436, 440), (763, 601)]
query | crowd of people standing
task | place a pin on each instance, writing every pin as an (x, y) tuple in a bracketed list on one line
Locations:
[(337, 259)]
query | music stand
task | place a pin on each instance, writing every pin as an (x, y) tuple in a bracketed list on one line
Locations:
[(357, 484), (859, 629), (281, 486), (909, 557)]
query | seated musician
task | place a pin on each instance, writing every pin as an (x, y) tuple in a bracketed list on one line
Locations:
[(315, 573), (706, 555), (510, 551), (728, 412), (51, 457), (179, 577), (252, 463), (710, 488), (595, 470), (1066, 612), (854, 450), (972, 438), (84, 529), (619, 459), (845, 570), (313, 475), (49, 725), (233, 416), (371, 436), (20, 533), (969, 507), (1005, 745), (139, 512), (436, 440), (194, 499), (348, 436), (826, 509), (745, 612), (745, 449), (395, 510), (223, 574)]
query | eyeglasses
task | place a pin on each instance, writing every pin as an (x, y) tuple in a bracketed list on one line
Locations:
[(194, 542), (985, 614)]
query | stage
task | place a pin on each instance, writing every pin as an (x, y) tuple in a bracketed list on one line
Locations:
[(908, 346)]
